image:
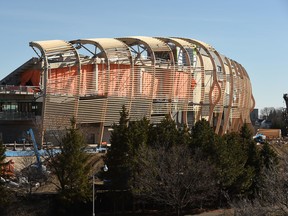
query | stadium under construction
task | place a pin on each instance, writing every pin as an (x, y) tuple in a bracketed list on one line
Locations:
[(91, 79)]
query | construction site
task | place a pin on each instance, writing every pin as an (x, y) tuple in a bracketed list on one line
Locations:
[(91, 79)]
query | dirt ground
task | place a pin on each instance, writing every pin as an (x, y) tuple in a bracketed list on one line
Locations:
[(20, 162), (95, 160), (218, 212)]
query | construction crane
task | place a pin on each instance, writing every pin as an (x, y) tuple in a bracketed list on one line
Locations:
[(37, 154), (285, 96)]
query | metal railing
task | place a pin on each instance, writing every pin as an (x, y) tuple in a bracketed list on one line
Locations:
[(11, 89), (10, 115)]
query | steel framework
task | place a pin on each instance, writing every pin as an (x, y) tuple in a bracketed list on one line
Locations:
[(152, 76)]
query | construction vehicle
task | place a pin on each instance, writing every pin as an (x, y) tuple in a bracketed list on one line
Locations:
[(268, 134), (259, 138)]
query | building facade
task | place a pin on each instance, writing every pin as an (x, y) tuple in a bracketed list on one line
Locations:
[(91, 79)]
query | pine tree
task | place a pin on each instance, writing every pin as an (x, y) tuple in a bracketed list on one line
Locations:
[(138, 134), (164, 134), (268, 156), (138, 137), (184, 136), (204, 138), (245, 132), (235, 177), (254, 162), (117, 158), (71, 167)]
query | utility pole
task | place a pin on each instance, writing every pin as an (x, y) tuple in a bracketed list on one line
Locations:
[(93, 214), (105, 169)]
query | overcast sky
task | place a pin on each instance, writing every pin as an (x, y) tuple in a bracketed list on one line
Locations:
[(252, 32)]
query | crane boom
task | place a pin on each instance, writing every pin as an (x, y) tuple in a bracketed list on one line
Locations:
[(37, 154), (285, 96)]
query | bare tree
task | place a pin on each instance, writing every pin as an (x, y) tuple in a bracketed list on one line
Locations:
[(173, 177), (266, 111), (246, 207), (273, 196), (275, 187), (30, 176)]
